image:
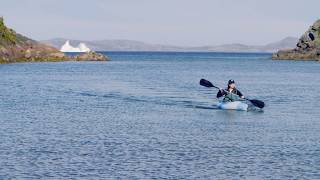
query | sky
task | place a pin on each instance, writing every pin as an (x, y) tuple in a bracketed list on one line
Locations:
[(174, 22)]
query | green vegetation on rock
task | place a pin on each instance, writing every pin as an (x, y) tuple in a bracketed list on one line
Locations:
[(7, 36)]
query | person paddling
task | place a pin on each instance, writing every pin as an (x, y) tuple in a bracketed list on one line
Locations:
[(231, 93), (254, 102)]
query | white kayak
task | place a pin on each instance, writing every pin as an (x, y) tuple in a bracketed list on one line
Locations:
[(236, 105)]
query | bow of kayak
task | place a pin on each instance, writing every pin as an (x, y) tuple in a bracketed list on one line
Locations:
[(236, 105)]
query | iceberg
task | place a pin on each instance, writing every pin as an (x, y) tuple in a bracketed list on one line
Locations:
[(83, 47), (69, 48)]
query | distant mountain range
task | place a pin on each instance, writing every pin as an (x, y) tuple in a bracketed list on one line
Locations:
[(129, 45)]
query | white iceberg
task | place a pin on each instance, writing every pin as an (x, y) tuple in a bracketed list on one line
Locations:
[(69, 48)]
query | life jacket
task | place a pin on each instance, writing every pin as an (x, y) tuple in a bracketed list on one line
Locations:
[(231, 97)]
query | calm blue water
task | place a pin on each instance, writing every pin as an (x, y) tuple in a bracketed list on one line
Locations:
[(144, 115)]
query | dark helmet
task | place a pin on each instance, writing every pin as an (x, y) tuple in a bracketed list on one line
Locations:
[(231, 81)]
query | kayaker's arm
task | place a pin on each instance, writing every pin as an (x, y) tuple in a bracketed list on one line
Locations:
[(221, 93), (240, 94)]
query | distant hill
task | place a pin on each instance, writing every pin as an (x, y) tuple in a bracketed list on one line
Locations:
[(115, 45), (129, 45), (286, 43)]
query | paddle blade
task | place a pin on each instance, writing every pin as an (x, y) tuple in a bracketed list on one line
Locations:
[(206, 83), (257, 103)]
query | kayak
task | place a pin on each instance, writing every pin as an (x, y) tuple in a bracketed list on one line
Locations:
[(236, 105)]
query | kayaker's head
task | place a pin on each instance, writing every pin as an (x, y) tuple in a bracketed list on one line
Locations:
[(231, 84)]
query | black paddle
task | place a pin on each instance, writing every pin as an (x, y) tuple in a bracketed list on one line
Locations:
[(257, 103)]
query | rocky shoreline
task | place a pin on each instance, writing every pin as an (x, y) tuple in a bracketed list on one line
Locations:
[(308, 55), (307, 48), (15, 47)]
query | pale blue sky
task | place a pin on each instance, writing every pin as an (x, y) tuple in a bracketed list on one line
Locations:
[(176, 22)]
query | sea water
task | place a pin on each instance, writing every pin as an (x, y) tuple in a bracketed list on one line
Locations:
[(144, 115)]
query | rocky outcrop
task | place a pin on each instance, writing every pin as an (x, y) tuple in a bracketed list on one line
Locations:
[(91, 56), (307, 48), (15, 47), (30, 52)]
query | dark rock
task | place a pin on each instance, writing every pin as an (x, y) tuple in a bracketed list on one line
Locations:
[(311, 36)]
